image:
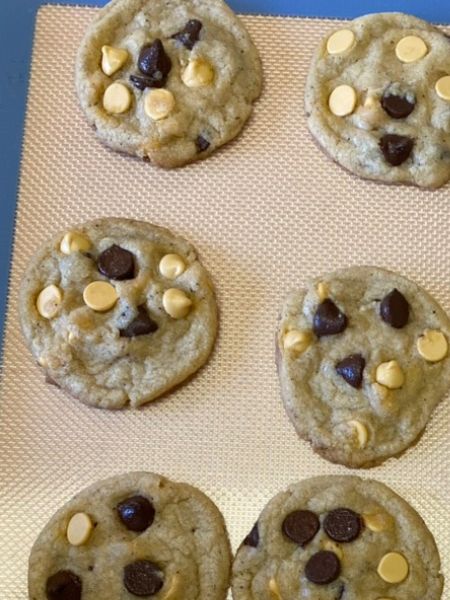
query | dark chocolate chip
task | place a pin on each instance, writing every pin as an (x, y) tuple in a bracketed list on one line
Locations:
[(141, 325), (253, 537), (323, 567), (397, 107), (396, 148), (301, 526), (136, 513), (328, 319), (202, 144), (116, 263), (190, 34), (342, 525), (143, 578), (351, 369), (63, 585), (155, 63), (141, 82), (394, 309)]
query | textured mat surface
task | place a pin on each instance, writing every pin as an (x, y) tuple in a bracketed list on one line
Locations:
[(265, 213)]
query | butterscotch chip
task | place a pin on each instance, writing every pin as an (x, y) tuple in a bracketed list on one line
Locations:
[(410, 49), (49, 302), (158, 104), (74, 242), (198, 73), (274, 589), (442, 87), (432, 345), (362, 435), (340, 41), (176, 303), (117, 99), (172, 266), (79, 529), (113, 59), (323, 291), (342, 100), (297, 341), (393, 568), (100, 296), (377, 521), (390, 375)]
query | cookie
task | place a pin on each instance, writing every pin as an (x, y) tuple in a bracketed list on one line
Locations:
[(337, 537), (363, 360), (118, 311), (167, 80), (377, 99), (133, 535)]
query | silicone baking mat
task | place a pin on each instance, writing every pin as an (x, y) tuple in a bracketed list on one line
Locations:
[(265, 213)]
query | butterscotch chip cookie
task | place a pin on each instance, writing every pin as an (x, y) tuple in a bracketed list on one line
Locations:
[(118, 311), (362, 358), (377, 99), (168, 80), (133, 535), (333, 538)]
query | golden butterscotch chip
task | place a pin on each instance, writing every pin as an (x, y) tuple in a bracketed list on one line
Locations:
[(297, 341), (100, 296), (173, 589), (323, 291), (274, 589), (377, 522), (442, 87), (113, 59), (393, 567), (360, 429), (410, 49), (117, 99), (432, 345), (342, 100), (176, 303), (79, 529), (390, 375), (340, 41), (74, 242), (172, 266), (333, 547), (158, 104), (198, 73), (49, 302)]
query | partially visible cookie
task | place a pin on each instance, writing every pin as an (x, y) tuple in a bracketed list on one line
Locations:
[(378, 96), (118, 311), (337, 538), (133, 535), (363, 360), (168, 80)]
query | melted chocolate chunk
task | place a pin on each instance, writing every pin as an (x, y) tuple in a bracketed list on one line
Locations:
[(63, 585), (116, 263), (143, 578), (141, 82), (253, 537), (397, 107), (396, 148), (394, 309), (202, 144), (323, 567), (342, 525), (190, 34), (136, 513), (301, 526), (351, 369), (328, 319), (141, 325), (155, 63)]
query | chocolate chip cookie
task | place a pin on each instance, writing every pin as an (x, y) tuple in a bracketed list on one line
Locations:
[(363, 360), (133, 535), (167, 80), (118, 311), (378, 96), (333, 538)]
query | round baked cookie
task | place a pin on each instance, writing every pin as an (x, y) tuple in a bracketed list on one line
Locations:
[(118, 311), (363, 360), (377, 99), (168, 80), (337, 538), (133, 535)]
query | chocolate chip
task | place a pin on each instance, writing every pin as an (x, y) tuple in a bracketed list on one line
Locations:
[(323, 567), (328, 319), (301, 526), (141, 325), (63, 585), (396, 148), (116, 263), (155, 63), (142, 578), (253, 537), (394, 309), (190, 34), (397, 107), (136, 513), (342, 525), (202, 144), (141, 82), (351, 369)]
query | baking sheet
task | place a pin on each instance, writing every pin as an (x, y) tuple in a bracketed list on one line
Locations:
[(265, 213)]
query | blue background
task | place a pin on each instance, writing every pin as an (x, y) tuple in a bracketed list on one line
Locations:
[(16, 38)]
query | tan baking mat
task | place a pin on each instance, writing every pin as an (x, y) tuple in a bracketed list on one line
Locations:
[(265, 213)]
